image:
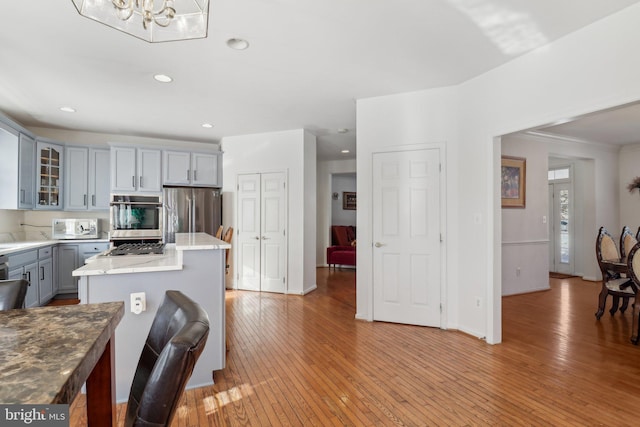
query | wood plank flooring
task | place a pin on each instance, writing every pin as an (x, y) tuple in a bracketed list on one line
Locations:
[(305, 361)]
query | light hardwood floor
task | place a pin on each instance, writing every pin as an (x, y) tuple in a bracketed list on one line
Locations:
[(305, 361)]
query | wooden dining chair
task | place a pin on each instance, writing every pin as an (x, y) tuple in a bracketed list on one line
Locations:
[(219, 232), (227, 238), (633, 268), (627, 241), (613, 282)]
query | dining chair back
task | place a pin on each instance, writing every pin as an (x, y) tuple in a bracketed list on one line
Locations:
[(633, 267), (12, 293), (177, 337), (614, 280), (627, 241)]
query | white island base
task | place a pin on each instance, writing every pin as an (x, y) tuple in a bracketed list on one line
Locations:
[(195, 266)]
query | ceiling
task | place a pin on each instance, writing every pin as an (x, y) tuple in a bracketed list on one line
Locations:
[(618, 126), (307, 63)]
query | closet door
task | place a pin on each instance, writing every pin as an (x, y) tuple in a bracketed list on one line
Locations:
[(262, 253), (273, 240), (248, 232)]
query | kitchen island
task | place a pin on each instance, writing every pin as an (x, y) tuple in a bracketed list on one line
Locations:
[(195, 265)]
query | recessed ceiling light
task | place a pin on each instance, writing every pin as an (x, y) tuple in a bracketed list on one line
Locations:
[(343, 130), (238, 44), (163, 78), (68, 109), (207, 125), (345, 151)]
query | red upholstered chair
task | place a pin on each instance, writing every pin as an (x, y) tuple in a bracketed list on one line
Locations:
[(343, 251)]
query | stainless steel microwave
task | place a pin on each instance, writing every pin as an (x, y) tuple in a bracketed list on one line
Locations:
[(136, 217)]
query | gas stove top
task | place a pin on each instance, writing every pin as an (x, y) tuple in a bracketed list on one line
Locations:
[(137, 249)]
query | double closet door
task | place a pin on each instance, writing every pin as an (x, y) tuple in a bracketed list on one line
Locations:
[(261, 232)]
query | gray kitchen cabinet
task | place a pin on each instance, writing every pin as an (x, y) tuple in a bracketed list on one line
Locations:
[(49, 160), (45, 275), (54, 270), (99, 171), (135, 169), (17, 162), (87, 250), (87, 181), (188, 168), (71, 257), (27, 172), (67, 262), (24, 265), (76, 179)]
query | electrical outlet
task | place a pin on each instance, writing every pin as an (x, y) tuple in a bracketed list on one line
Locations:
[(138, 302)]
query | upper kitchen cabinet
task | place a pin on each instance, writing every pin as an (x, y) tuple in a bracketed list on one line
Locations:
[(17, 162), (49, 160), (135, 169), (87, 182), (197, 169)]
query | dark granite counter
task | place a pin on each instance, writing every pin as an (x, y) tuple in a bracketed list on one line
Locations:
[(47, 353)]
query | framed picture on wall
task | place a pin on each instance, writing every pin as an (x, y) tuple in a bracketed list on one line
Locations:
[(349, 200), (513, 182)]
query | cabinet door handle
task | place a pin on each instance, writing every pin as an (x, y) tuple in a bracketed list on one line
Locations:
[(27, 276), (41, 273), (195, 175), (188, 174), (85, 200), (22, 192), (133, 181), (140, 181), (93, 200)]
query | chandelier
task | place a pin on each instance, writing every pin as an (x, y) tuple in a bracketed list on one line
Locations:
[(149, 20)]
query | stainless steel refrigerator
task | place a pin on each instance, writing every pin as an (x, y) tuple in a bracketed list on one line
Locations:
[(191, 210)]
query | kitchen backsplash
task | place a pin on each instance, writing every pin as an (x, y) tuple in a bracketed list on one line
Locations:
[(18, 226)]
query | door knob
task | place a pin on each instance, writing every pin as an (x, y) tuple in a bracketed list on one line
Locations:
[(257, 238), (379, 245), (265, 238)]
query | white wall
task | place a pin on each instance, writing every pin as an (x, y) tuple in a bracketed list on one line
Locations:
[(413, 119), (525, 240), (325, 170), (592, 69), (339, 184), (292, 152), (629, 168)]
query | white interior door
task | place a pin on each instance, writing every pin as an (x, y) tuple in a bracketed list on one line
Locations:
[(406, 236), (561, 228), (248, 232), (273, 239), (262, 249)]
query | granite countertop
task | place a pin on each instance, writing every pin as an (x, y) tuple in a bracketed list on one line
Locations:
[(169, 261), (47, 353)]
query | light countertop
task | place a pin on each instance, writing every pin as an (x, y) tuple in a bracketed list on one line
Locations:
[(169, 261), (13, 247)]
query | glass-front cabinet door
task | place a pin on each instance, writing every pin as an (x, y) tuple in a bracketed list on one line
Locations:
[(49, 181)]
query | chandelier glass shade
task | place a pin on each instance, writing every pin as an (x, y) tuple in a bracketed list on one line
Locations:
[(150, 20)]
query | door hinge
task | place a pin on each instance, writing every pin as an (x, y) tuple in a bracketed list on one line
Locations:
[(440, 307), (441, 239), (238, 187), (439, 167), (283, 282), (284, 232)]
